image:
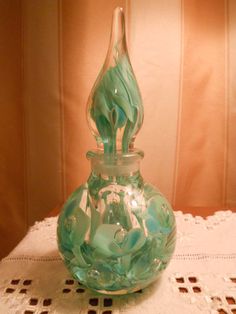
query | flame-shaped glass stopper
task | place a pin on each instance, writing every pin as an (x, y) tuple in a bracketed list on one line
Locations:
[(115, 110)]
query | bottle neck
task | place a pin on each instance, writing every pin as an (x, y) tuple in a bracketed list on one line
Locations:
[(118, 164)]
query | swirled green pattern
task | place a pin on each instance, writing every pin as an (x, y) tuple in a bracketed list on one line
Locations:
[(116, 104), (116, 236)]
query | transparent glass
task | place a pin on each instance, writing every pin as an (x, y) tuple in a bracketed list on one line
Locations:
[(116, 233), (114, 109)]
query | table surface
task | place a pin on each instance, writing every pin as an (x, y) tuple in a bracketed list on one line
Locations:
[(201, 277)]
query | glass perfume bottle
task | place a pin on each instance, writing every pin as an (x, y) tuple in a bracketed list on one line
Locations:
[(116, 233)]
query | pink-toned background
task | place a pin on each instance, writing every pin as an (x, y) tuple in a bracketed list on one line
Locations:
[(183, 53)]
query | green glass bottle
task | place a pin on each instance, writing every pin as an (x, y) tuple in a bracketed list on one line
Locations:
[(116, 233)]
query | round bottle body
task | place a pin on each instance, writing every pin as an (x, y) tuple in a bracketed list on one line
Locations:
[(116, 233)]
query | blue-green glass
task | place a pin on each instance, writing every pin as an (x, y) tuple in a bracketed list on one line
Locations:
[(115, 109), (116, 233)]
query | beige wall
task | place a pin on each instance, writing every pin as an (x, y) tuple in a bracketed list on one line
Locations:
[(13, 208), (50, 54), (42, 106)]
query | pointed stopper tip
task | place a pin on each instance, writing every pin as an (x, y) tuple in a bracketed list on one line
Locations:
[(118, 12)]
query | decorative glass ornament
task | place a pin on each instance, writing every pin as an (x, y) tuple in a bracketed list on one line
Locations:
[(116, 233)]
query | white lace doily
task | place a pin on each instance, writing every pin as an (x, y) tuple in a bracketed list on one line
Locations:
[(201, 277)]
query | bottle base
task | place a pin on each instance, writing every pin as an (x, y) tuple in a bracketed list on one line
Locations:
[(126, 291)]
